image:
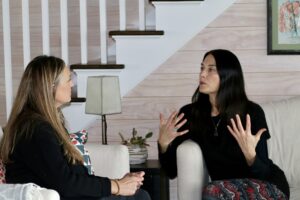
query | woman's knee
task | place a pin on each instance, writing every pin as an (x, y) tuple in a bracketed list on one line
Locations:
[(142, 195)]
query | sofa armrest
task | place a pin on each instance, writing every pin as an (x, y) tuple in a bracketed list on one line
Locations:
[(28, 191), (191, 171), (47, 194), (109, 160)]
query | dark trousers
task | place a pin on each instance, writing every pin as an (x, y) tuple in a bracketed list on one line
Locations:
[(139, 195)]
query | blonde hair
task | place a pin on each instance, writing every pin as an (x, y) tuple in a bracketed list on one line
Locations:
[(35, 102)]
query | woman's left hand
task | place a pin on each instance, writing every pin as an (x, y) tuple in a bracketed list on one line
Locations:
[(244, 137)]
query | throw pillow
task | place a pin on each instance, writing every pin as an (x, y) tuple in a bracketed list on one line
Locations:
[(79, 139), (241, 189), (2, 172)]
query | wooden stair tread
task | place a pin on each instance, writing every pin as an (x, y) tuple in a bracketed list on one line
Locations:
[(97, 65), (78, 99), (136, 32)]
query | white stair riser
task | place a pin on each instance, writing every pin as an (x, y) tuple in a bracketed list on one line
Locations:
[(76, 119), (141, 55), (82, 76), (180, 21)]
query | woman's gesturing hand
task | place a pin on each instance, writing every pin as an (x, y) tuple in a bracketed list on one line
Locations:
[(244, 137), (130, 183), (168, 129)]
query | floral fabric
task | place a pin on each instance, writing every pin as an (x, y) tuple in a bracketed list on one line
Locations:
[(79, 139), (242, 189), (2, 172)]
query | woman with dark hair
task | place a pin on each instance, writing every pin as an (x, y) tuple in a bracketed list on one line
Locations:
[(231, 131), (37, 148)]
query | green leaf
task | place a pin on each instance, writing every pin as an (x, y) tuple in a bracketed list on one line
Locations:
[(135, 139), (139, 138), (149, 135)]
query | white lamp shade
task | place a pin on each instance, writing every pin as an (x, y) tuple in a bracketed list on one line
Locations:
[(103, 95)]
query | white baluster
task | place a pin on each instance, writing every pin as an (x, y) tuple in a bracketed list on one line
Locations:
[(103, 31), (122, 11), (45, 27), (7, 56), (64, 30), (142, 15), (83, 31), (26, 32)]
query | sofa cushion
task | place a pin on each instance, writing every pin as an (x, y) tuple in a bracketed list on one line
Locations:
[(284, 127), (295, 193), (28, 191), (79, 139)]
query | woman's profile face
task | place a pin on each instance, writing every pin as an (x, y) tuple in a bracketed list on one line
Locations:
[(63, 88), (209, 77)]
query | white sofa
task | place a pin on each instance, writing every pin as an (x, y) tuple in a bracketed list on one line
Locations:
[(107, 160), (283, 118)]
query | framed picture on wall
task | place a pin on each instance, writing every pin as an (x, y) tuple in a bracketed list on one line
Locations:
[(283, 26)]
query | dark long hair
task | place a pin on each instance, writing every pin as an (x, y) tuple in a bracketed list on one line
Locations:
[(231, 97)]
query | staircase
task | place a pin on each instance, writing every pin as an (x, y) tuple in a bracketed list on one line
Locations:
[(138, 53)]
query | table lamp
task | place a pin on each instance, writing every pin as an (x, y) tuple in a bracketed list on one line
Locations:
[(102, 98)]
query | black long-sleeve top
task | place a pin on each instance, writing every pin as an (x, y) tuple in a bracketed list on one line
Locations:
[(222, 154), (41, 160)]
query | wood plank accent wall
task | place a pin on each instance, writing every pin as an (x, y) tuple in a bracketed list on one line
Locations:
[(242, 29)]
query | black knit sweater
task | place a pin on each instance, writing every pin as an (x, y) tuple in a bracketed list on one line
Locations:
[(41, 160), (222, 154)]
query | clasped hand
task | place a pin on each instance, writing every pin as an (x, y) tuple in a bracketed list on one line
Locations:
[(130, 183), (244, 137)]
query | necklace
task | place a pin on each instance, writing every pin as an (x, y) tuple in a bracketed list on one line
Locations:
[(216, 127)]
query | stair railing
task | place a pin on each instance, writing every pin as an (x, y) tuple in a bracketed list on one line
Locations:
[(64, 34)]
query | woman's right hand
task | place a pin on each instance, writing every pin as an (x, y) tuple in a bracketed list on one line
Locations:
[(168, 129), (129, 184)]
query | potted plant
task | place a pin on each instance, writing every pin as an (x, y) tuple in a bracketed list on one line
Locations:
[(137, 146)]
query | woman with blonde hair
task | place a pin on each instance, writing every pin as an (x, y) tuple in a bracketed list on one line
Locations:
[(36, 146)]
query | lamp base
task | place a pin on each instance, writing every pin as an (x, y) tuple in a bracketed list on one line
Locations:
[(104, 130)]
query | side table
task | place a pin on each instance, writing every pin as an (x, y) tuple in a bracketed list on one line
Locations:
[(156, 183)]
